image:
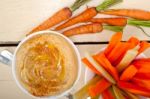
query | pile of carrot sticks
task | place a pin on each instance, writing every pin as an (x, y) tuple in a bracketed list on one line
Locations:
[(123, 75), (63, 18)]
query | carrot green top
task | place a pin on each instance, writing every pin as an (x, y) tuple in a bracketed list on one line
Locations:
[(107, 3), (77, 4)]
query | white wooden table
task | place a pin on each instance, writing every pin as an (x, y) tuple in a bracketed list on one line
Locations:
[(19, 16)]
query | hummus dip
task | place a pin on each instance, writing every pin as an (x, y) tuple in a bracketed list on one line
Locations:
[(46, 65)]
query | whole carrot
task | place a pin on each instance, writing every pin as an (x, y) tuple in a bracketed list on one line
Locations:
[(133, 13), (123, 22), (59, 16), (87, 14), (90, 28), (84, 29), (111, 21)]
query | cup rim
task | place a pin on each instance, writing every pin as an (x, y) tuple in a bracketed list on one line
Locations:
[(77, 56)]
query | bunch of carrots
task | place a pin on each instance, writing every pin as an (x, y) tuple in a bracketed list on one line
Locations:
[(121, 74), (65, 14), (124, 17)]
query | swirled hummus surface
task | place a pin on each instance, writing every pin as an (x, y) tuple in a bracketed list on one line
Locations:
[(46, 65)]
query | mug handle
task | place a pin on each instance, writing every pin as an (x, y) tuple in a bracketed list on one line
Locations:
[(6, 57)]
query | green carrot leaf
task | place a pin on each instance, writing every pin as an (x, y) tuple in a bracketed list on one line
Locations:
[(114, 28), (77, 4), (107, 3), (135, 22)]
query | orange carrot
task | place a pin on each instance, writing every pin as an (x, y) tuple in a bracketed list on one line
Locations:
[(128, 73), (107, 94), (133, 88), (84, 29), (133, 13), (143, 75), (114, 40), (58, 17), (103, 61), (144, 69), (143, 46), (85, 61), (110, 21), (120, 54), (84, 16), (88, 13), (142, 60), (117, 51), (141, 64), (142, 82), (99, 87), (134, 41)]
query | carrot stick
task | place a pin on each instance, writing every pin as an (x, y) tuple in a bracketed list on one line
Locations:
[(143, 75), (59, 16), (134, 41), (143, 46), (85, 61), (100, 68), (117, 51), (133, 88), (114, 40), (142, 82), (141, 64), (110, 21), (131, 43), (99, 87), (87, 14), (83, 92), (103, 61), (128, 73), (107, 94), (143, 67), (84, 29), (142, 60), (118, 93), (128, 58), (133, 13), (122, 51), (131, 96)]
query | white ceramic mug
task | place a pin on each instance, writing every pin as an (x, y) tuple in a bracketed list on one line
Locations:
[(9, 59)]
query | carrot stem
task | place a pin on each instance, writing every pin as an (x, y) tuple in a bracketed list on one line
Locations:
[(113, 28), (138, 22), (85, 15), (106, 4), (77, 4)]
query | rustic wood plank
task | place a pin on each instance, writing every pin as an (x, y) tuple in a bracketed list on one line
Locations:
[(9, 90), (19, 16)]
